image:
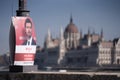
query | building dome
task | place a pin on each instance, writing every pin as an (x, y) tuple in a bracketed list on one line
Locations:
[(71, 28)]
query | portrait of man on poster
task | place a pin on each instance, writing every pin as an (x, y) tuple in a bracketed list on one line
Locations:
[(28, 32)]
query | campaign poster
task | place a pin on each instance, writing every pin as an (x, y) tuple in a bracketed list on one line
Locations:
[(25, 41)]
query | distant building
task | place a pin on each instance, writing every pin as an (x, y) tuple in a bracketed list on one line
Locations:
[(72, 49), (4, 59)]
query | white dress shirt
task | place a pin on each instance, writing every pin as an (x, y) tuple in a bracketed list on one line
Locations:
[(29, 41)]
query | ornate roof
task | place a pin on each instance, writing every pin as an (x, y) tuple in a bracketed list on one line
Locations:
[(106, 44), (71, 28)]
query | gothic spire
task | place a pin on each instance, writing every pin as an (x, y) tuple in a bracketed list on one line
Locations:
[(102, 33), (61, 34), (81, 33), (88, 31), (71, 20), (49, 35)]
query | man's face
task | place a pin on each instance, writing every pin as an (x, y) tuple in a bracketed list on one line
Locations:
[(28, 29)]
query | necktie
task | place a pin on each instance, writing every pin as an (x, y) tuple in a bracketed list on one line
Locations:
[(28, 42)]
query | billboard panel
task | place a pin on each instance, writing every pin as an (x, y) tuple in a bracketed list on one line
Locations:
[(25, 41)]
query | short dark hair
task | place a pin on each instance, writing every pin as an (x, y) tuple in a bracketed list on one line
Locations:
[(28, 21)]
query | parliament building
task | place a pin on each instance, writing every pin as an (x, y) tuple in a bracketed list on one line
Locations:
[(73, 49)]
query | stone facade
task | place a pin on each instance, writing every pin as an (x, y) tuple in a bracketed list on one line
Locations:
[(72, 49)]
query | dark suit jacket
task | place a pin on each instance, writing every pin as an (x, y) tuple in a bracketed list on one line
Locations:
[(33, 42)]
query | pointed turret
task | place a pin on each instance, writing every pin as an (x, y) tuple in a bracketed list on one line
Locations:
[(71, 20), (81, 34), (101, 35), (61, 34), (49, 35), (89, 37), (61, 48), (47, 39), (88, 32)]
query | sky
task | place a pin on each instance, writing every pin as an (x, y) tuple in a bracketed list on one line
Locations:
[(55, 14)]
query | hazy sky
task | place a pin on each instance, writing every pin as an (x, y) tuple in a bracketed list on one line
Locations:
[(54, 14)]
